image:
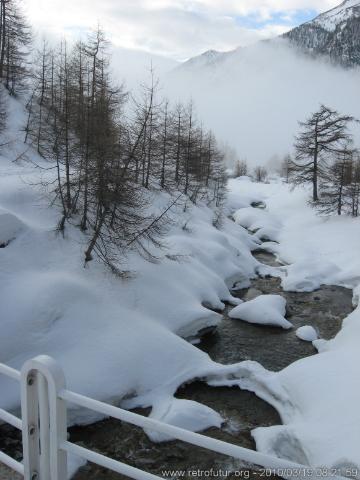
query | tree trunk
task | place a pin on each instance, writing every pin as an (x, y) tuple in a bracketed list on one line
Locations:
[(3, 37), (315, 174)]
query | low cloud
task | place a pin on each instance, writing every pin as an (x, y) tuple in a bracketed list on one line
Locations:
[(174, 28), (254, 99)]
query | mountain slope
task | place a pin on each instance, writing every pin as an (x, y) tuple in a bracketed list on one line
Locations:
[(335, 34)]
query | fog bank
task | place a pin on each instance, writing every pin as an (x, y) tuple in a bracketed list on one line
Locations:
[(253, 98)]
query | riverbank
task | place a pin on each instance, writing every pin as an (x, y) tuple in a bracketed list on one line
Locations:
[(316, 397), (124, 341)]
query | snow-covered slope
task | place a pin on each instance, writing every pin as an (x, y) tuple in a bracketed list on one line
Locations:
[(114, 338), (334, 34), (331, 19), (206, 59)]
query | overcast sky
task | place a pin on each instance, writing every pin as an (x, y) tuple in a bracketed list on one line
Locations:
[(177, 29)]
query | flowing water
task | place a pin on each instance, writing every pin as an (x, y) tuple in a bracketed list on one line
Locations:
[(232, 342)]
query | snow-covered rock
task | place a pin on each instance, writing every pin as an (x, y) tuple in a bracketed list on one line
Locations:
[(186, 414), (268, 234), (309, 274), (255, 218), (10, 227), (263, 310), (307, 333)]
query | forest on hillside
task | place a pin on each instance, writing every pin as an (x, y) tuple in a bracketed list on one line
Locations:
[(111, 151)]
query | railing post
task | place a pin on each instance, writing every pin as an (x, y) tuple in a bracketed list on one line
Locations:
[(30, 429), (44, 419)]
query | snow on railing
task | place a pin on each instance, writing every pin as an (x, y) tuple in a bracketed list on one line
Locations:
[(44, 430)]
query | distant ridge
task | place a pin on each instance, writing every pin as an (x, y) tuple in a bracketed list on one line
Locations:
[(334, 34)]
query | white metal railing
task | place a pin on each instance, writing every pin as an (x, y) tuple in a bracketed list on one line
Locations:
[(12, 420), (44, 400)]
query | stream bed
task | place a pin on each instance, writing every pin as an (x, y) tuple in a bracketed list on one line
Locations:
[(232, 342)]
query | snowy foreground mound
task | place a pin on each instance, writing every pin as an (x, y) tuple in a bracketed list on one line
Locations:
[(307, 333), (185, 414), (318, 397), (263, 310), (10, 227)]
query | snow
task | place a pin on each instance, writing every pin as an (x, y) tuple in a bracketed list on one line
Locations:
[(263, 310), (317, 397), (317, 250), (186, 414), (73, 464), (10, 227), (331, 19), (300, 279), (256, 218), (114, 338), (122, 341), (205, 59), (307, 333), (267, 234)]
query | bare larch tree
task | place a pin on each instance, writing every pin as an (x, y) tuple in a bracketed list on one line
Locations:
[(322, 135)]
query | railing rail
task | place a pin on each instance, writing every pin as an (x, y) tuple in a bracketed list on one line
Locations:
[(44, 400), (11, 420)]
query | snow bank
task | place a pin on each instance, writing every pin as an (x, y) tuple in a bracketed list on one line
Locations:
[(317, 397), (238, 198), (256, 218), (122, 339), (114, 338), (307, 333), (309, 274), (323, 394), (263, 310), (268, 234)]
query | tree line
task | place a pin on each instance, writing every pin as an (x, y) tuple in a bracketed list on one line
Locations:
[(15, 39), (111, 152), (325, 158), (241, 169)]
